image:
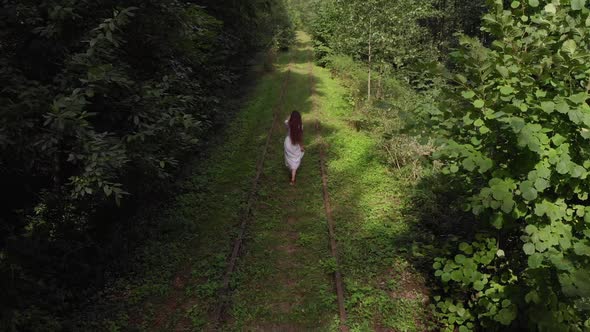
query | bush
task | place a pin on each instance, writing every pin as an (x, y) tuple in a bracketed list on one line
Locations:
[(516, 124)]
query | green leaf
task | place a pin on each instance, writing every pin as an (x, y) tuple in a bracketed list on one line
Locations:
[(534, 3), (563, 166), (517, 124), (558, 139), (508, 205), (560, 262), (515, 4), (461, 78), (466, 248), (446, 277), (562, 107), (460, 259), (498, 220), (503, 71), (506, 90), (485, 164), (532, 296), (535, 260), (531, 229), (478, 103), (478, 285), (541, 184), (579, 98), (468, 94), (540, 209), (457, 275), (528, 191), (565, 243), (528, 248), (548, 106), (576, 116), (550, 8), (468, 164), (569, 46), (581, 249), (506, 316), (578, 4), (576, 171)]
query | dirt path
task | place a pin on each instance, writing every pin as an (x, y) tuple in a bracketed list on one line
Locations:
[(283, 281), (247, 214)]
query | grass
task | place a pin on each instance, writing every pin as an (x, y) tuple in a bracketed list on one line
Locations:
[(383, 291), (283, 279)]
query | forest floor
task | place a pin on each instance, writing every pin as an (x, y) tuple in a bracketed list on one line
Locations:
[(284, 276)]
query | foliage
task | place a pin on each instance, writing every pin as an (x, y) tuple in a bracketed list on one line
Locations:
[(454, 16), (101, 103), (389, 117), (515, 127), (392, 27), (302, 12)]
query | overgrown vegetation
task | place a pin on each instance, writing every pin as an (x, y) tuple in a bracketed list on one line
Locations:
[(506, 192), (515, 123), (100, 102), (457, 157)]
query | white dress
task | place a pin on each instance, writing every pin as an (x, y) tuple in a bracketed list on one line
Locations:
[(293, 153)]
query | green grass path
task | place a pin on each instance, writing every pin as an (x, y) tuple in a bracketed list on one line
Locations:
[(284, 276), (283, 281)]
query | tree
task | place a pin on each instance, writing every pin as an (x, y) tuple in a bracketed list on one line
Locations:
[(101, 101), (376, 31)]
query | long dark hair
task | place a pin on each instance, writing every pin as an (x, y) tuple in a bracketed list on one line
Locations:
[(296, 128)]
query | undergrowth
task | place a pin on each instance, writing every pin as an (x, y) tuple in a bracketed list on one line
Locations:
[(375, 162), (176, 274)]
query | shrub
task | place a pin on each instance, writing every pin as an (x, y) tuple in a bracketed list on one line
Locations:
[(516, 125)]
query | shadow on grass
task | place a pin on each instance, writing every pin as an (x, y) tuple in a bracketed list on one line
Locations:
[(377, 225)]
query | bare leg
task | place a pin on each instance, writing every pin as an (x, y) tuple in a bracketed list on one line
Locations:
[(293, 175)]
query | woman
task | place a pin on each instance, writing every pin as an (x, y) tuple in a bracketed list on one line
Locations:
[(294, 144)]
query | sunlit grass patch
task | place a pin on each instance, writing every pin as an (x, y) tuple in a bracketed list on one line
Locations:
[(371, 226)]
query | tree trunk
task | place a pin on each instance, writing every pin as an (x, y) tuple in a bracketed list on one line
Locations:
[(380, 82), (370, 58)]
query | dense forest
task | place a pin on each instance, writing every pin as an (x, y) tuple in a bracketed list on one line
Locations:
[(102, 101), (114, 113)]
